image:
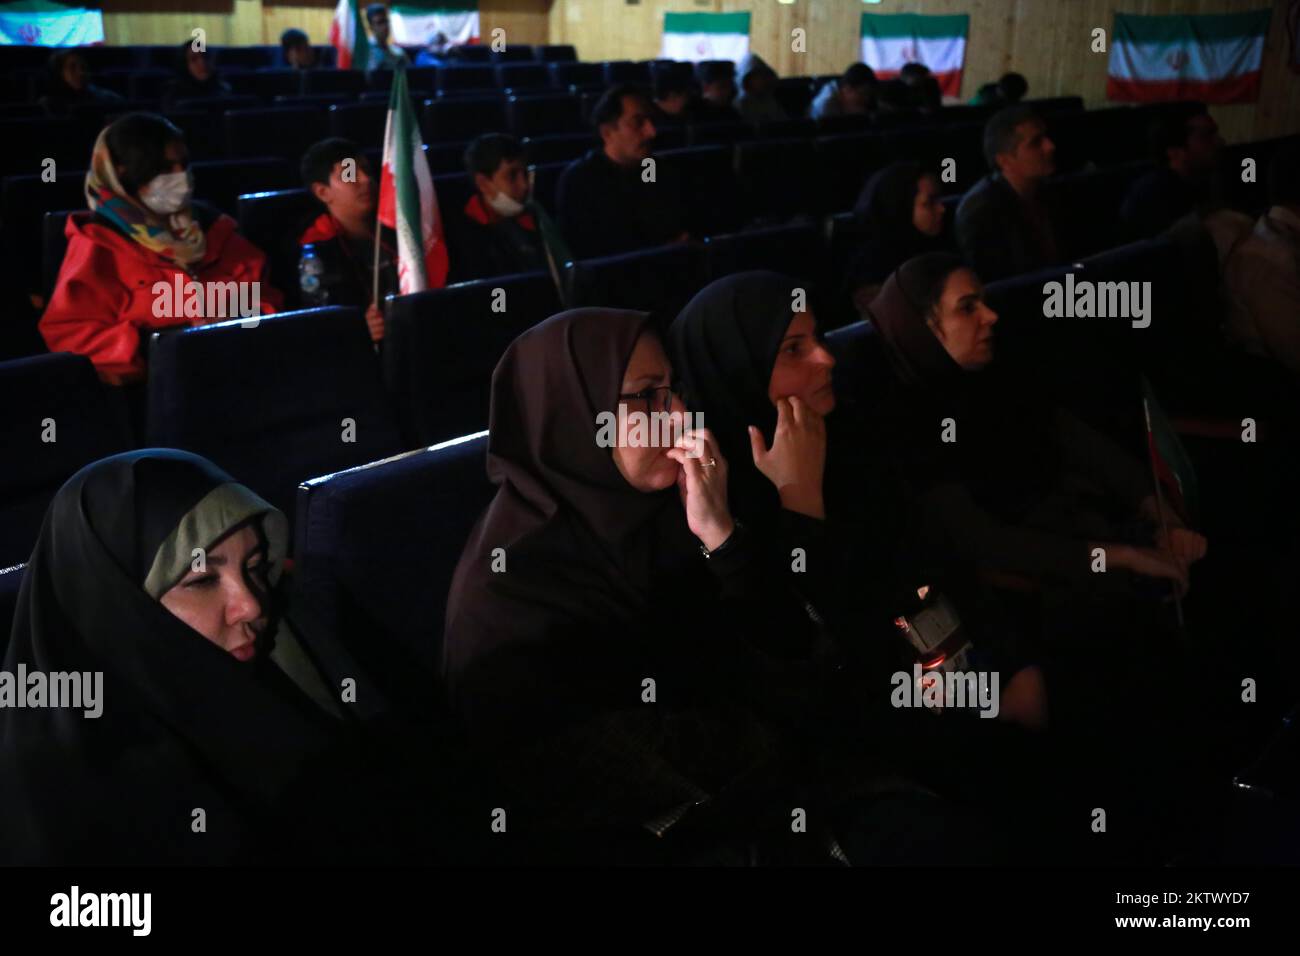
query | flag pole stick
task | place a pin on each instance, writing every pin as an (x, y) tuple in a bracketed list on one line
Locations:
[(546, 246), (1160, 505)]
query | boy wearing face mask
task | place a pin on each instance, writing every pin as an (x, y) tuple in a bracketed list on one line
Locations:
[(500, 232), (145, 233)]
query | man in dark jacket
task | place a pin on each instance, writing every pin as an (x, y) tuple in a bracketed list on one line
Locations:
[(618, 197), (340, 269), (1186, 147), (497, 234), (1003, 225)]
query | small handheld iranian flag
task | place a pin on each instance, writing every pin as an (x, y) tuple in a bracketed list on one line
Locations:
[(46, 23), (1217, 58), (417, 22), (407, 203), (705, 36), (892, 40), (348, 36)]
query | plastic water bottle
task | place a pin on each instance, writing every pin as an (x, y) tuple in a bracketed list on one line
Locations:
[(310, 270)]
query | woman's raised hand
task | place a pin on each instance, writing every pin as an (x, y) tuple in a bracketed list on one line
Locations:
[(703, 487), (796, 461)]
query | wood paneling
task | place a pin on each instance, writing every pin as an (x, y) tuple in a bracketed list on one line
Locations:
[(248, 22), (1049, 41)]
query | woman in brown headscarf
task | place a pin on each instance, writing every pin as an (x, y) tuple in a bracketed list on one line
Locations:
[(599, 627)]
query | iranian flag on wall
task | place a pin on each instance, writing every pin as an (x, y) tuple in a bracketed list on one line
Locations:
[(417, 22), (892, 40), (705, 36), (46, 23), (1217, 58)]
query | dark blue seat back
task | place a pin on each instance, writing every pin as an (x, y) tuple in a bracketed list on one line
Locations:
[(861, 373), (267, 403), (457, 120), (220, 182), (795, 250), (363, 123), (26, 200), (587, 76), (273, 132), (555, 53), (89, 422), (474, 77), (375, 549), (538, 115), (522, 76), (441, 346), (269, 220), (659, 280)]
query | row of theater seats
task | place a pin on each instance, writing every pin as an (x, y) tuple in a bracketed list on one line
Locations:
[(378, 531), (251, 398), (750, 183), (23, 68)]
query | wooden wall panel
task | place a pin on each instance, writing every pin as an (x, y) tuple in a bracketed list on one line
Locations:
[(1049, 41), (247, 22)]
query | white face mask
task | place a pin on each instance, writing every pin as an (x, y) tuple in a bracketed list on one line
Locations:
[(168, 193), (504, 205)]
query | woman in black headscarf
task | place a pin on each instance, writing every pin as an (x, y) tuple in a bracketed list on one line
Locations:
[(220, 736), (608, 664), (196, 78), (750, 358), (68, 85), (900, 211), (1011, 482)]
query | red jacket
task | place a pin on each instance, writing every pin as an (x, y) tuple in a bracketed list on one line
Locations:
[(105, 295)]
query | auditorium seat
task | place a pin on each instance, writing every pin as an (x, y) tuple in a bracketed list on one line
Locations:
[(89, 421), (795, 250), (678, 70), (585, 76), (561, 148), (54, 243), (523, 76), (110, 58), (845, 162), (930, 146), (457, 120), (795, 94), (272, 220), (708, 183), (625, 71), (363, 123), (1087, 205), (244, 57), (476, 77), (441, 346), (219, 182), (215, 104), (351, 82), (543, 114), (546, 180), (24, 201), (555, 53), (659, 280), (11, 582), (421, 81), (375, 547), (845, 233), (273, 132), (296, 396), (861, 374), (786, 129), (148, 82), (777, 178), (204, 136), (514, 53), (725, 133), (30, 141), (267, 83), (311, 101)]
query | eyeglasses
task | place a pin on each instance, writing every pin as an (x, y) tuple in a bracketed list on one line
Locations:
[(659, 398)]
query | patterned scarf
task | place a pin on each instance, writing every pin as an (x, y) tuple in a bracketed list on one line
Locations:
[(177, 237)]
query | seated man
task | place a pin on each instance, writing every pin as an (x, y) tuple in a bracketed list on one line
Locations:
[(717, 89), (757, 101), (383, 54), (672, 99), (853, 94), (337, 250), (1262, 274), (498, 234), (1186, 147), (297, 50), (1003, 226), (616, 198)]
